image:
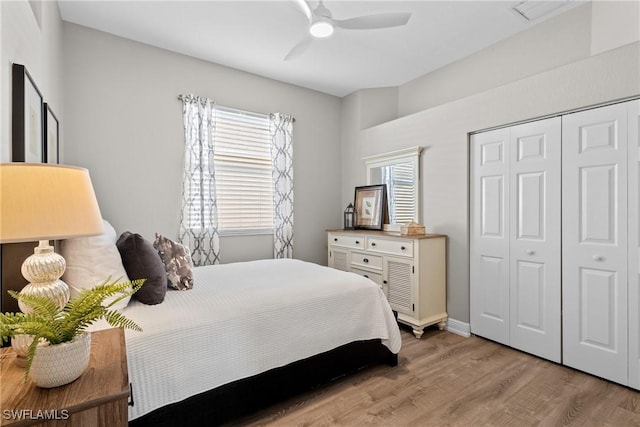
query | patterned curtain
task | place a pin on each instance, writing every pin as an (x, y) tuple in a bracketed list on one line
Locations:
[(281, 130), (199, 218)]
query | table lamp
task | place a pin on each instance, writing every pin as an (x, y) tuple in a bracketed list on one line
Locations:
[(45, 202)]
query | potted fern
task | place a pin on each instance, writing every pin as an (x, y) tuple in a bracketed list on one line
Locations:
[(58, 343)]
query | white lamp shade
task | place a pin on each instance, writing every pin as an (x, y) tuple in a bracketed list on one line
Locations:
[(46, 202)]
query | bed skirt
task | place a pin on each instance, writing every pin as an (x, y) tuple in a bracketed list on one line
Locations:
[(249, 395)]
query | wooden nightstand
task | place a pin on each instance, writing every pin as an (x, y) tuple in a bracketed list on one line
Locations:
[(98, 398)]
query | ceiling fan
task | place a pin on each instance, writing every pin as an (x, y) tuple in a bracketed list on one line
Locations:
[(322, 24)]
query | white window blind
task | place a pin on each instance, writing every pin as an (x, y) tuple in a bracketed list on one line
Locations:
[(242, 159), (401, 189)]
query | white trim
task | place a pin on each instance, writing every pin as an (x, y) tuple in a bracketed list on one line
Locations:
[(393, 155), (459, 328)]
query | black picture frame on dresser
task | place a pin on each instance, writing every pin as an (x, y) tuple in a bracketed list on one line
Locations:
[(370, 203)]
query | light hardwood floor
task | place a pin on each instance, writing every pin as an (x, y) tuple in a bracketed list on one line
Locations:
[(447, 380)]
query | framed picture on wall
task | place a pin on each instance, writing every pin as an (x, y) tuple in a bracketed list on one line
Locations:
[(27, 111), (370, 206), (51, 135)]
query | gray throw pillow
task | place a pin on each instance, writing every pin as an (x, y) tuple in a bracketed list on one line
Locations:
[(141, 261)]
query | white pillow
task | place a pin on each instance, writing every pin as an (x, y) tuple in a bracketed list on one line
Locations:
[(110, 231), (91, 260)]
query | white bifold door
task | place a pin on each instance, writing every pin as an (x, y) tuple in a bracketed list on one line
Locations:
[(595, 233), (555, 239), (601, 327), (515, 237)]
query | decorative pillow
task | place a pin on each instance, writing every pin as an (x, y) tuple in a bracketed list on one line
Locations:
[(90, 261), (110, 232), (177, 262), (141, 261)]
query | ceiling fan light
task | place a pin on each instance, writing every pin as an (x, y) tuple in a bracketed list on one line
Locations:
[(321, 29)]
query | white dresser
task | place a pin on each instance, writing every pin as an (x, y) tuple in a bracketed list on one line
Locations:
[(410, 269)]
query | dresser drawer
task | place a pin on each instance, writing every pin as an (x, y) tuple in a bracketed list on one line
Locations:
[(376, 277), (359, 259), (394, 247), (347, 240)]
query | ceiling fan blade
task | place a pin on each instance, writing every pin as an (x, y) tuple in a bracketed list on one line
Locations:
[(298, 49), (370, 22), (304, 6)]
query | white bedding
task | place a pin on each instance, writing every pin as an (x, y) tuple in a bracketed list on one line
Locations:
[(242, 319)]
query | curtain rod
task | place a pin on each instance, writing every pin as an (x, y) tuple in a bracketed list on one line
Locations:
[(236, 110)]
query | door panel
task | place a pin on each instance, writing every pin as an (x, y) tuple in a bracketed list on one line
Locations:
[(534, 254), (597, 215), (489, 250), (594, 248)]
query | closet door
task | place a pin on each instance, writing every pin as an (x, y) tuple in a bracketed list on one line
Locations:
[(634, 243), (534, 245), (594, 247), (489, 246)]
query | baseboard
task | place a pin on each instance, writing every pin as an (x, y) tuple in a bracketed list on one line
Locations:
[(459, 328)]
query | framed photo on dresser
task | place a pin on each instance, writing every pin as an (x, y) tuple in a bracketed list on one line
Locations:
[(370, 206)]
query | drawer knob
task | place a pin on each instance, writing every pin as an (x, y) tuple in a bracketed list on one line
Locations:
[(598, 258), (366, 276), (357, 242), (373, 243), (530, 252), (365, 260), (402, 248), (335, 239), (384, 281)]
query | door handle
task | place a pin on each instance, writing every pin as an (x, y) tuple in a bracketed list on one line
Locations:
[(598, 258)]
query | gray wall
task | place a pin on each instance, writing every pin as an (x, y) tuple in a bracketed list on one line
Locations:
[(486, 100), (124, 123), (35, 42), (38, 46)]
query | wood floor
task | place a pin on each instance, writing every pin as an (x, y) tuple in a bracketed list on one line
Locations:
[(447, 380)]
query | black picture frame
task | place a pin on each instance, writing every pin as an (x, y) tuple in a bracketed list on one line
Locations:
[(51, 129), (370, 203), (27, 142)]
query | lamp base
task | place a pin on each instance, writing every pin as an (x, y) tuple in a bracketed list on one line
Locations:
[(43, 270)]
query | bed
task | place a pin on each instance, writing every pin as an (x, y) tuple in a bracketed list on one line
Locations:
[(249, 334)]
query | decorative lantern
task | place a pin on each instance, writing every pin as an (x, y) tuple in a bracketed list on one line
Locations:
[(349, 217)]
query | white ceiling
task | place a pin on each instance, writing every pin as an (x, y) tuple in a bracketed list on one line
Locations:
[(255, 36)]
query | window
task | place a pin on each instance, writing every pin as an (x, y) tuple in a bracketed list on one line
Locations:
[(242, 160), (401, 189)]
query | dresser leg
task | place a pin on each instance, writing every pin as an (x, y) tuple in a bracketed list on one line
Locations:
[(418, 333), (442, 324)]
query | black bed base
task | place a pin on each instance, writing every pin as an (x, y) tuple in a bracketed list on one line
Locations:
[(246, 396)]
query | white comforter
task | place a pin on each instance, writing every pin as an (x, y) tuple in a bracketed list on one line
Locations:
[(245, 318)]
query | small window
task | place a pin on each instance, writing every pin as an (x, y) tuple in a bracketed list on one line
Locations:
[(242, 161), (401, 188)]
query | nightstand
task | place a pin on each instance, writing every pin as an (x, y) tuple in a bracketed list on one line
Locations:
[(98, 398)]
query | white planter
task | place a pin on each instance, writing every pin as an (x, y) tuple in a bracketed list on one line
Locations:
[(56, 365)]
